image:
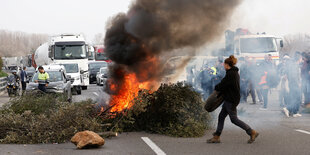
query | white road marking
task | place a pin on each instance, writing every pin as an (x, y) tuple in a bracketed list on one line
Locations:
[(303, 131), (153, 146), (96, 93)]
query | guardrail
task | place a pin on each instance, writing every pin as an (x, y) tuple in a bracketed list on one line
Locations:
[(2, 84)]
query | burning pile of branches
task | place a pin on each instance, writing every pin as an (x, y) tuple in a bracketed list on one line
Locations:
[(137, 40), (174, 110)]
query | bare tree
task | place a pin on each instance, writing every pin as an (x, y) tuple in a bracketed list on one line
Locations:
[(98, 39), (16, 43), (297, 42)]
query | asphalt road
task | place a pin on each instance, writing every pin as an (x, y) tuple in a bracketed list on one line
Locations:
[(278, 135)]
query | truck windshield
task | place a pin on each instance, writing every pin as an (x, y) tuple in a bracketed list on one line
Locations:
[(70, 52), (55, 76), (258, 45), (71, 68)]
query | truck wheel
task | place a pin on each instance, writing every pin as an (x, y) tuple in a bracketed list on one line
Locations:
[(84, 87)]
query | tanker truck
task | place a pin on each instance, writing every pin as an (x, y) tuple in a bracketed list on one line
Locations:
[(63, 49)]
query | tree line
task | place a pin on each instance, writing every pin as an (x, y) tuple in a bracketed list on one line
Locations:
[(296, 42), (16, 43)]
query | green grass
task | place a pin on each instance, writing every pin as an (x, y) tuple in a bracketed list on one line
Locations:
[(3, 74)]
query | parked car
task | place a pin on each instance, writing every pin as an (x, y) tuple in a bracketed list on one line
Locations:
[(93, 68), (58, 81), (102, 76)]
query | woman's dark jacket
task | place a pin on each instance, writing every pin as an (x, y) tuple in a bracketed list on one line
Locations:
[(230, 86)]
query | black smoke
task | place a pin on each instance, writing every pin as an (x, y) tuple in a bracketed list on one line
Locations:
[(153, 27)]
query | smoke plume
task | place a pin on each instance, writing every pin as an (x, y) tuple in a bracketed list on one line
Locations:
[(135, 40)]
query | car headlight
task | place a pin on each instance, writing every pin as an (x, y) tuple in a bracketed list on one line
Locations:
[(77, 78), (58, 87)]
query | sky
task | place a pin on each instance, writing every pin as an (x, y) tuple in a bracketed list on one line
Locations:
[(279, 17)]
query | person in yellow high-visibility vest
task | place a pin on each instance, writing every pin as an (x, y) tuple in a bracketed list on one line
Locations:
[(43, 78), (213, 70)]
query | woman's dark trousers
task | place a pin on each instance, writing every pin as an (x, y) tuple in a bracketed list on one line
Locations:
[(231, 110)]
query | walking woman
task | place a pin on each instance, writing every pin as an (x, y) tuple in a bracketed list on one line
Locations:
[(230, 89)]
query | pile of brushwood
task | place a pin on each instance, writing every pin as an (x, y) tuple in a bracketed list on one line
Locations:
[(44, 118), (173, 110)]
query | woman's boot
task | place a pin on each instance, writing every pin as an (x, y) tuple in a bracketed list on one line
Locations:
[(215, 139), (253, 136)]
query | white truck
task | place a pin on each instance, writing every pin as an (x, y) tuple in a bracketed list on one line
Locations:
[(65, 48), (242, 43), (73, 71), (12, 63)]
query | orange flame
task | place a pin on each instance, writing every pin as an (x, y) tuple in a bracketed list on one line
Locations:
[(129, 90)]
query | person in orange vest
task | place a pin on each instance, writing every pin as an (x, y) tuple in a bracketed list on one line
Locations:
[(266, 69), (264, 89)]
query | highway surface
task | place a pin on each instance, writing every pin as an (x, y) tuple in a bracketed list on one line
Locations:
[(278, 135)]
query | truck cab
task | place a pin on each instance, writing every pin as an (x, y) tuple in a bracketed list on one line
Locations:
[(65, 48), (100, 55), (257, 46), (245, 44)]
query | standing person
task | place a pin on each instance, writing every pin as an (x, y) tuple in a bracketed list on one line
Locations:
[(229, 87), (255, 79), (17, 78), (307, 93), (251, 63), (264, 89), (305, 77), (43, 78), (23, 77), (282, 72), (294, 84), (268, 79), (243, 80)]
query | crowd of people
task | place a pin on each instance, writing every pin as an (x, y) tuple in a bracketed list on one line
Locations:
[(259, 78), (291, 77)]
